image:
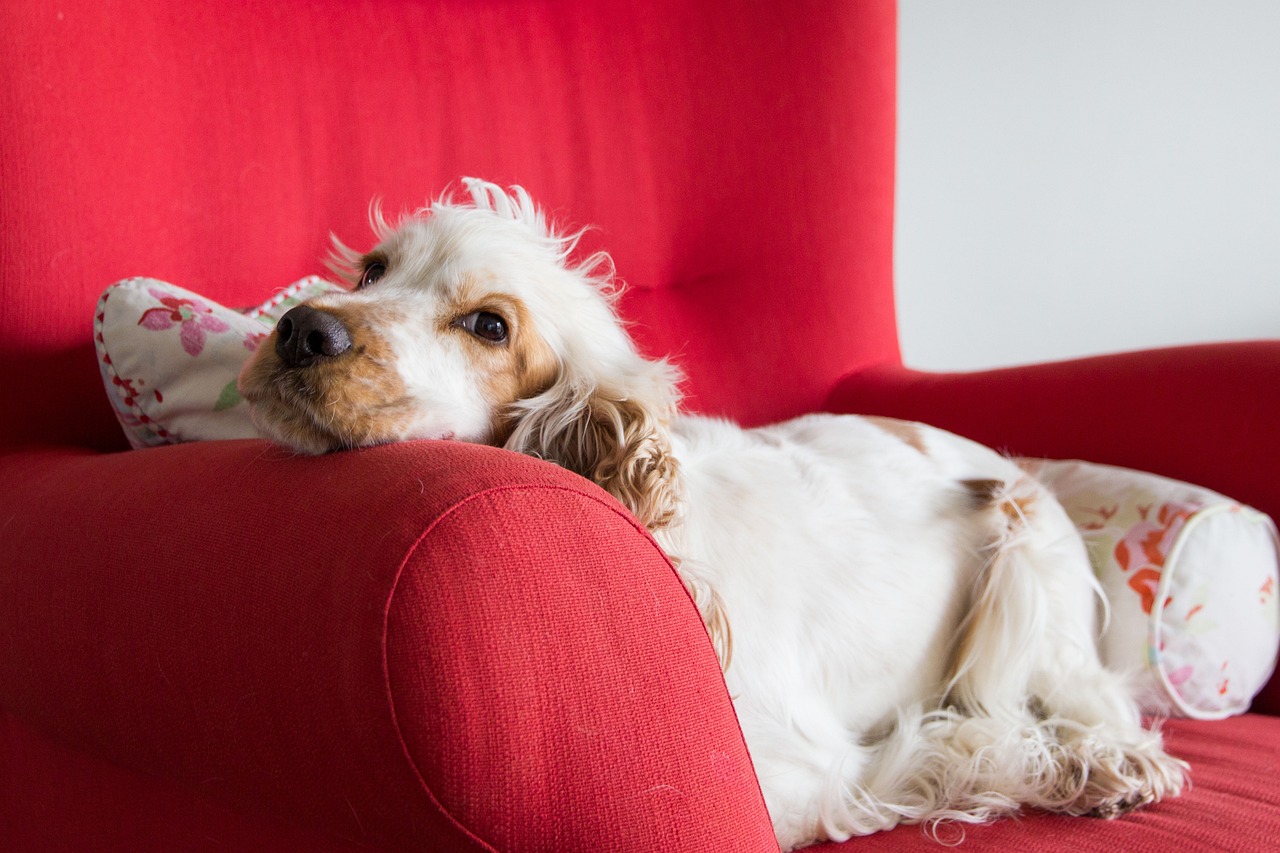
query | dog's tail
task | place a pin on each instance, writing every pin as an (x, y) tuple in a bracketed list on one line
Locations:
[(1006, 626)]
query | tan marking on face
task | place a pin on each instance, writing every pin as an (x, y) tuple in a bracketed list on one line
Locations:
[(906, 431), (521, 367), (353, 400)]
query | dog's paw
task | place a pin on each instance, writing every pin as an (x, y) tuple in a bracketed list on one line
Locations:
[(1118, 778)]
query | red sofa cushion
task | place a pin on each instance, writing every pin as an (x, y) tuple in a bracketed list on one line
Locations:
[(1233, 804)]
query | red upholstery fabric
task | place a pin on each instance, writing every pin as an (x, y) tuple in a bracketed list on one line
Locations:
[(421, 645), (217, 145), (72, 802), (59, 800)]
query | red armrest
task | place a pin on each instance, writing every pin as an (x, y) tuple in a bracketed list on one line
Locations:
[(1205, 414), (430, 646)]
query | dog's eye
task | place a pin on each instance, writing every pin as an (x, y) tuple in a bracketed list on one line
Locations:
[(371, 274), (486, 325)]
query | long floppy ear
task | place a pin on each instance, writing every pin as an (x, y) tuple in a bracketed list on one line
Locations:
[(612, 432)]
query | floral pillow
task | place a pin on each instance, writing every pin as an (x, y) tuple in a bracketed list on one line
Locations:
[(1190, 577), (169, 358)]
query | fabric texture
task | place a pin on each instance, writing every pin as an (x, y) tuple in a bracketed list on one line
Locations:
[(81, 803), (1190, 579), (58, 799), (440, 642), (218, 145)]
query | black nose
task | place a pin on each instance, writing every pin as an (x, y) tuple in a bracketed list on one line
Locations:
[(305, 335)]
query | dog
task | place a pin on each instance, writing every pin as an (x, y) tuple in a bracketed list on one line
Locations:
[(906, 620)]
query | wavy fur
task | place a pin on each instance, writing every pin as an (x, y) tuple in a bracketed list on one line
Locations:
[(616, 439)]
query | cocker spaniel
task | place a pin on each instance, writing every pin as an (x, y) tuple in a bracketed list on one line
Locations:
[(905, 619)]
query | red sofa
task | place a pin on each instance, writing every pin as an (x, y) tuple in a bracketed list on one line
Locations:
[(434, 646)]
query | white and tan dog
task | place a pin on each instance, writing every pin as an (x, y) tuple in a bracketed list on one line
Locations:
[(905, 619)]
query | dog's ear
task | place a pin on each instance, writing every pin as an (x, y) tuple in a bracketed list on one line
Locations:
[(614, 434)]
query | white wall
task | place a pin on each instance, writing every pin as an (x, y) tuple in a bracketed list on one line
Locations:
[(1085, 176)]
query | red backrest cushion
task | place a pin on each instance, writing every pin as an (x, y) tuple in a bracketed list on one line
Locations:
[(736, 158)]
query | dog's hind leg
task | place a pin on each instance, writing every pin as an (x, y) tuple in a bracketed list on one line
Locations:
[(1120, 765), (1064, 729)]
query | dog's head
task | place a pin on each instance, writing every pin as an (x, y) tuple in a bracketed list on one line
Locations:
[(468, 321)]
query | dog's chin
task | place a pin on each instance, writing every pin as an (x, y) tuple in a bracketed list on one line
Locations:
[(301, 432), (299, 427), (294, 430)]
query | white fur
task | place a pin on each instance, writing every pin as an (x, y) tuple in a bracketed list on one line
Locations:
[(907, 621)]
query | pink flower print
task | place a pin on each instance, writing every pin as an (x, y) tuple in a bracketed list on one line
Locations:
[(253, 339), (1145, 547), (1148, 542), (194, 317)]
